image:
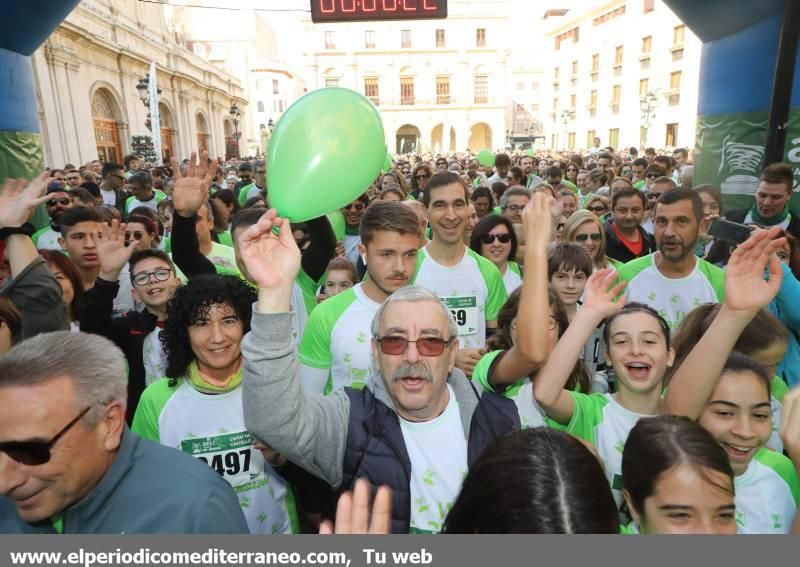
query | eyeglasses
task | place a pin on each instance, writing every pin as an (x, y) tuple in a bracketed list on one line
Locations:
[(652, 175), (515, 208), (422, 176), (653, 195), (428, 346), (356, 206), (596, 237), (33, 453), (62, 201), (502, 238), (143, 278), (135, 235), (597, 209)]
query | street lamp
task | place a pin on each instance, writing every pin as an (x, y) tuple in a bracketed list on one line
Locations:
[(508, 138), (648, 104), (566, 116), (235, 117), (271, 125), (143, 88)]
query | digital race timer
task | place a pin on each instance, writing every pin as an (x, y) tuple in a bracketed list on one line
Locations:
[(366, 10)]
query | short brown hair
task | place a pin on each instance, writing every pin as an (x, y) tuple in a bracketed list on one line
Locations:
[(567, 256), (387, 215), (440, 180), (778, 173)]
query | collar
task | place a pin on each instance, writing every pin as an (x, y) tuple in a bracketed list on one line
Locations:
[(197, 381), (98, 496)]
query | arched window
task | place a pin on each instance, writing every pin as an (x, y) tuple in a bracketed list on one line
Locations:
[(260, 106)]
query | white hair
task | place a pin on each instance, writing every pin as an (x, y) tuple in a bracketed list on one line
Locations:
[(414, 293), (95, 365)]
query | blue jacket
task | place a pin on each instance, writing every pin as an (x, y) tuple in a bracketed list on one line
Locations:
[(148, 489)]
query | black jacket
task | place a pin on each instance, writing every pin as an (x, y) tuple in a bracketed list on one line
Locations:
[(616, 249), (127, 332)]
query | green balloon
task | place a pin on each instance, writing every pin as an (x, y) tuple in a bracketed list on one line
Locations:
[(486, 157), (529, 153), (336, 218), (387, 164), (324, 152)]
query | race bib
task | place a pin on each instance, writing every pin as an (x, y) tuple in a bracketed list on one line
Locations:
[(465, 312), (230, 455)]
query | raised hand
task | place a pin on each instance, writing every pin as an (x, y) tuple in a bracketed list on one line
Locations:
[(789, 427), (600, 293), (19, 198), (272, 261), (353, 512), (112, 253), (538, 221), (191, 190), (746, 288)]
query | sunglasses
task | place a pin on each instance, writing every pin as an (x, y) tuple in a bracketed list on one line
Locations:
[(653, 196), (357, 207), (502, 238), (596, 237), (422, 176), (135, 235), (597, 209), (143, 278), (33, 453), (429, 346), (62, 201), (652, 175)]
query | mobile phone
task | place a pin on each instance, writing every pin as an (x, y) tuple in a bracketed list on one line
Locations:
[(729, 231)]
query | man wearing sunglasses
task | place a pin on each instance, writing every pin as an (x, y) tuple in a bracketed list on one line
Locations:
[(334, 351), (414, 427), (352, 222), (68, 463), (58, 201), (136, 333), (111, 187), (468, 283)]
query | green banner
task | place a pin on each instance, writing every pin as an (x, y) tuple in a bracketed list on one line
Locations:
[(730, 152), (21, 157)]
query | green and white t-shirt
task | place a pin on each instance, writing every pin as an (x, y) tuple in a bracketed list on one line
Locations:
[(210, 427), (473, 290), (46, 239), (154, 357), (133, 203), (512, 279), (437, 450), (521, 391), (778, 389), (602, 421), (335, 350), (672, 298), (767, 495)]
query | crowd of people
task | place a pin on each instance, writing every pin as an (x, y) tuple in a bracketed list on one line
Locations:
[(555, 343)]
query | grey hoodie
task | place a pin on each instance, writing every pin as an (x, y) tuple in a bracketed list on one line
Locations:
[(309, 429)]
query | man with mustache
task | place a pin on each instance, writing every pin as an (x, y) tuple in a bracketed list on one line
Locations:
[(334, 351), (58, 201), (416, 427), (672, 280)]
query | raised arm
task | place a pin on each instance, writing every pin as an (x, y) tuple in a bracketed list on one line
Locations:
[(533, 338), (746, 292), (310, 430), (790, 436), (599, 303), (33, 289), (190, 193)]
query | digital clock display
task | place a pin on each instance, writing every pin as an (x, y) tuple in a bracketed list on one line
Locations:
[(367, 10)]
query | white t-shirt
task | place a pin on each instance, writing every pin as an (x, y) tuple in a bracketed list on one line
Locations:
[(521, 391), (210, 427), (673, 298), (437, 450), (154, 357), (109, 198), (47, 239), (766, 495), (602, 421), (335, 350), (473, 290)]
